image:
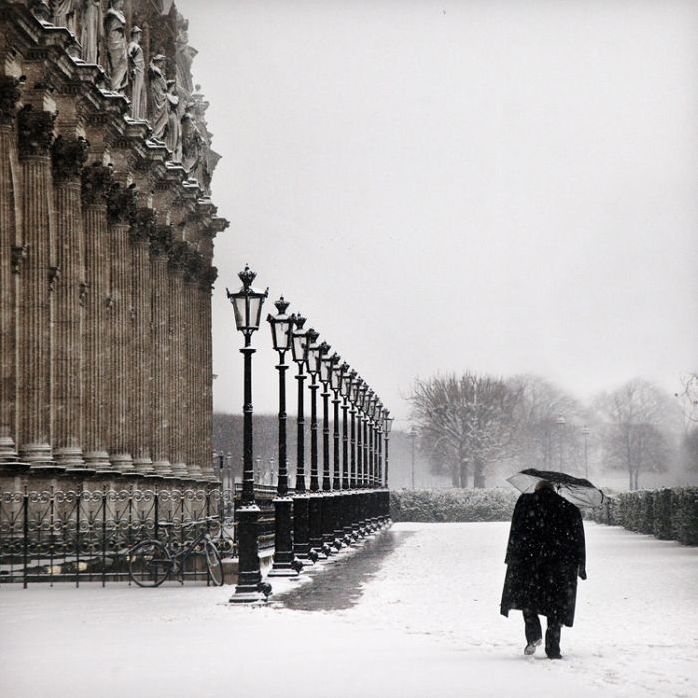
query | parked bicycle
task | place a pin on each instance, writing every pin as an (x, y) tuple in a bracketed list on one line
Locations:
[(150, 562)]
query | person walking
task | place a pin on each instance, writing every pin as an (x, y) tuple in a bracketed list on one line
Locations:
[(545, 554)]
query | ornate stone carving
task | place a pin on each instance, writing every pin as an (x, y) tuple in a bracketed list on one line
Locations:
[(68, 157), (121, 203), (34, 131), (64, 14), (136, 64), (158, 97), (9, 96), (115, 30), (160, 240), (91, 28), (97, 181), (173, 137), (177, 256), (208, 278), (54, 273), (19, 254), (143, 224)]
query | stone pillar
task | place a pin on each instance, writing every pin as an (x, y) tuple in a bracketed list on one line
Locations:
[(34, 138), (205, 389), (68, 158), (11, 257), (120, 209), (96, 182), (160, 243), (176, 391), (142, 383)]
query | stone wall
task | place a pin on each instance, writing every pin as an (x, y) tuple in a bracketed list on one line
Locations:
[(106, 246)]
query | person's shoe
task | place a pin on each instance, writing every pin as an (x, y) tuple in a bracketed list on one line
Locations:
[(531, 647), (554, 655)]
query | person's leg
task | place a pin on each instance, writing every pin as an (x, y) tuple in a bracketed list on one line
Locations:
[(552, 638), (534, 634)]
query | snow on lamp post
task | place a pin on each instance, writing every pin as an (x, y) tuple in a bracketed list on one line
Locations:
[(247, 306)]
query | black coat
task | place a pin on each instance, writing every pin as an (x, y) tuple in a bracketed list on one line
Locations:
[(545, 554)]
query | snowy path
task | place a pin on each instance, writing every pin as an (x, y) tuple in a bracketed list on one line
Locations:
[(426, 624)]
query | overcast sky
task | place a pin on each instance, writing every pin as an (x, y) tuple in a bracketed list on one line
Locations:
[(500, 186)]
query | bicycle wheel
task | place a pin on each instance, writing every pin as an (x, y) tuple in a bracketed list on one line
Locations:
[(149, 563), (213, 563)]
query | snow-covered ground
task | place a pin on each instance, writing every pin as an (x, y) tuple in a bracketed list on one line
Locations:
[(414, 613)]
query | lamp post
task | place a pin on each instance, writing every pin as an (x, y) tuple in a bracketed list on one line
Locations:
[(247, 305), (413, 439), (363, 455), (329, 503), (281, 328), (387, 426), (585, 434), (354, 382), (301, 541), (379, 461), (560, 421), (336, 368), (345, 381)]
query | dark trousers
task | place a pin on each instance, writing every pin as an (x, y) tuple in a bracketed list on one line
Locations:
[(534, 632)]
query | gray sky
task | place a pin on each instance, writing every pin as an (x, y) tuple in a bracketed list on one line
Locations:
[(501, 186)]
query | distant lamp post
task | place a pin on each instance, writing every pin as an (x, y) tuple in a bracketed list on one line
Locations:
[(585, 433), (560, 421), (387, 426), (282, 326), (247, 305), (330, 477), (413, 439)]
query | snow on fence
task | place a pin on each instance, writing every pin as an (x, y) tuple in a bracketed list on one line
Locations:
[(668, 513), (80, 536), (439, 505)]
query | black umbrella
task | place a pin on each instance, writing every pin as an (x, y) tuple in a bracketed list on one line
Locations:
[(574, 489)]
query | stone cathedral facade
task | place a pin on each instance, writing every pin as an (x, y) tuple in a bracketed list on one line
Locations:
[(106, 245)]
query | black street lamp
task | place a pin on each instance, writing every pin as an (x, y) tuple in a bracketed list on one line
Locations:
[(301, 534), (387, 426), (345, 382), (328, 499), (315, 501), (335, 377), (354, 383), (285, 564), (247, 305)]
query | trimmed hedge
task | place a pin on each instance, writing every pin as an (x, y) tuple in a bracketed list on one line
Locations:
[(490, 504), (668, 514)]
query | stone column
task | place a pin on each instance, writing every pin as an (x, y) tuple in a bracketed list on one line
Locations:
[(177, 394), (160, 244), (11, 257), (96, 182), (205, 389), (68, 158), (120, 209), (142, 228), (35, 135), (192, 337)]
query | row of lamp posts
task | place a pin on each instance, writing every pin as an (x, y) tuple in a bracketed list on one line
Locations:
[(348, 499)]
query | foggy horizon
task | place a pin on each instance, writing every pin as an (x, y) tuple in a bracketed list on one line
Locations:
[(441, 187)]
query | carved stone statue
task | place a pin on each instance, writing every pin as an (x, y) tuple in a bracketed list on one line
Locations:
[(115, 29), (90, 30), (184, 56), (192, 141), (159, 111), (64, 14), (173, 139), (136, 62)]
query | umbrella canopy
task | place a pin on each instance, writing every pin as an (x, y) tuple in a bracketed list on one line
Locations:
[(576, 490)]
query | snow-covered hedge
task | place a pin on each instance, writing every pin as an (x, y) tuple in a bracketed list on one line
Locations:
[(669, 514), (491, 504)]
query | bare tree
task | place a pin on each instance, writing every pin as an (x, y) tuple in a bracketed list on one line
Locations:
[(465, 423), (639, 421), (542, 440)]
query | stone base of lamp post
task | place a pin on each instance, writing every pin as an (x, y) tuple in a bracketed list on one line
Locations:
[(328, 517), (301, 531), (315, 506), (250, 587), (285, 562), (338, 532)]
